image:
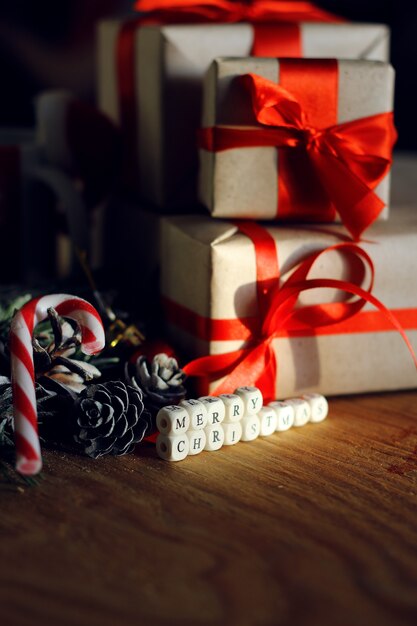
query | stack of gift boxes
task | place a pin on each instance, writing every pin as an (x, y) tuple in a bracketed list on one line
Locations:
[(280, 125)]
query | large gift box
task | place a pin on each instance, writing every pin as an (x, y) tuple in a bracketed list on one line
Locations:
[(150, 81), (261, 304), (297, 139)]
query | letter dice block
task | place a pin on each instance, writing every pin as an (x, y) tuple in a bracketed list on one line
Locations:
[(251, 427), (234, 407), (284, 413), (214, 437), (232, 433), (318, 405), (197, 440), (172, 448), (252, 399), (215, 409), (172, 420), (197, 412), (269, 420), (302, 411)]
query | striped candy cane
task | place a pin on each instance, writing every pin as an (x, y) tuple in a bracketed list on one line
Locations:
[(28, 452)]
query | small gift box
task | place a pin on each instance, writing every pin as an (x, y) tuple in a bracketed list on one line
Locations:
[(150, 77), (297, 139), (292, 309)]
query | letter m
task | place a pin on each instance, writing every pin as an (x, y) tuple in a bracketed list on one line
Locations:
[(180, 422)]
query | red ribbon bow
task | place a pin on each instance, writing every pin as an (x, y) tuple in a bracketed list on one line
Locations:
[(349, 159), (223, 11), (279, 314)]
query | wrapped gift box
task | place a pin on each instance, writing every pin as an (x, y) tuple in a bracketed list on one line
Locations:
[(213, 309), (168, 66), (263, 181)]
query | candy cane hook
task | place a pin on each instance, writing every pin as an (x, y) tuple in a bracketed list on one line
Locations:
[(29, 460)]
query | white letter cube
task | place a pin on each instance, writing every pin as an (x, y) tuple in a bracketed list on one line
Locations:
[(302, 411), (285, 415), (318, 405), (214, 437), (197, 412), (269, 421), (172, 448), (252, 399), (234, 407), (197, 441), (232, 433), (251, 427), (215, 409), (172, 420)]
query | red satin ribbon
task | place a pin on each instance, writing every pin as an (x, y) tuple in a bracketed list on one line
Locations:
[(280, 314), (185, 11), (343, 162)]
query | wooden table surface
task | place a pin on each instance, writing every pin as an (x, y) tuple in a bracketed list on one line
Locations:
[(313, 526)]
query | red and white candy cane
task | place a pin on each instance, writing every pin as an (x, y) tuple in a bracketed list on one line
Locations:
[(28, 453)]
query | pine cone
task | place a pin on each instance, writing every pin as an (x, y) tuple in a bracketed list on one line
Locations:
[(161, 381), (53, 365), (109, 419)]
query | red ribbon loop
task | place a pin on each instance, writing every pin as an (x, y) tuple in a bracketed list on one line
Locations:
[(224, 11), (280, 313), (349, 159)]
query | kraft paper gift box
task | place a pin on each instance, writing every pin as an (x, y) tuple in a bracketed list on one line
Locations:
[(161, 106), (213, 309), (272, 178)]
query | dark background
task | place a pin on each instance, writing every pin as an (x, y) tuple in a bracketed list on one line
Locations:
[(47, 44), (401, 16)]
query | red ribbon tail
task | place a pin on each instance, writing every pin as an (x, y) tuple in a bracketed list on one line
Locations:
[(356, 203)]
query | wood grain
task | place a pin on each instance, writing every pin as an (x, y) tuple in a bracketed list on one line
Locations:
[(313, 526)]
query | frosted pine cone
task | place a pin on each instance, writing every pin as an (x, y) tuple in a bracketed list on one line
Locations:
[(53, 354), (161, 381), (109, 419)]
